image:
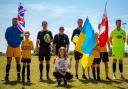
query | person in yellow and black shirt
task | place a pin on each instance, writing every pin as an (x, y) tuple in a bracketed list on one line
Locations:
[(97, 60), (26, 46), (104, 56)]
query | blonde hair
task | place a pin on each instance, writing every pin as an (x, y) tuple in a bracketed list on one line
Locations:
[(65, 52)]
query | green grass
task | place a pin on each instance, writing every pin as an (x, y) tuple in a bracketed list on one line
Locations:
[(72, 84)]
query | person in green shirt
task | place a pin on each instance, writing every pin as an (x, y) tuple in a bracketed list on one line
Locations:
[(117, 40)]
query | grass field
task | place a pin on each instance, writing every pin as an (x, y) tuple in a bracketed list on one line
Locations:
[(72, 84)]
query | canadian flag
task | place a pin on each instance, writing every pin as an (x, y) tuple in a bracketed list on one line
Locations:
[(103, 29)]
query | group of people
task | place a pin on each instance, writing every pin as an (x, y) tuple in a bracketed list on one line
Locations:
[(21, 49)]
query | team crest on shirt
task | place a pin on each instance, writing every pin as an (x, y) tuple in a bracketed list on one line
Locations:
[(113, 55), (119, 36), (47, 38), (64, 41)]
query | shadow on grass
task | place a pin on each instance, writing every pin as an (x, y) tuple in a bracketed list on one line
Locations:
[(88, 81), (121, 88), (103, 81), (13, 83), (126, 80), (71, 81), (65, 86), (118, 81), (48, 81)]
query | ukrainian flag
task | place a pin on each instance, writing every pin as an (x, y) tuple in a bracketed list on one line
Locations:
[(85, 44)]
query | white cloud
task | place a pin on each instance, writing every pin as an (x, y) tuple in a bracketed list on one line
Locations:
[(37, 7), (55, 10)]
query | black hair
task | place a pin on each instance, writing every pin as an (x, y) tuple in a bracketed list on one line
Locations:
[(118, 20)]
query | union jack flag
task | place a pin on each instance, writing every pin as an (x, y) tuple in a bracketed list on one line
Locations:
[(21, 21)]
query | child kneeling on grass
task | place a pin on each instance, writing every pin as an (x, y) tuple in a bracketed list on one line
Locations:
[(62, 66), (96, 61), (26, 46)]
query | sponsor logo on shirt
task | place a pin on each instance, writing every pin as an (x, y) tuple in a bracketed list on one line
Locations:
[(119, 36), (47, 38)]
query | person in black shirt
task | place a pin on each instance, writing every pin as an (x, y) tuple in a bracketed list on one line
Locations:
[(60, 40), (44, 39), (77, 54)]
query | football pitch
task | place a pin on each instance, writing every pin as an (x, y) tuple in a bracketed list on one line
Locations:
[(52, 84)]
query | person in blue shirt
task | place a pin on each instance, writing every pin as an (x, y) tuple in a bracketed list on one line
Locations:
[(13, 37)]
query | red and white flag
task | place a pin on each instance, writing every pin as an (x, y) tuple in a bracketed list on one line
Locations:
[(103, 30)]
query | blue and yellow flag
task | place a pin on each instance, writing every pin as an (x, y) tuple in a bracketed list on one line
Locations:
[(85, 44)]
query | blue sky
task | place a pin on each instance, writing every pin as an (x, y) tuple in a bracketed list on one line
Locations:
[(60, 13)]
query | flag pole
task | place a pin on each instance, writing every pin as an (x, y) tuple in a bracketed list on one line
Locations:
[(105, 12), (106, 4)]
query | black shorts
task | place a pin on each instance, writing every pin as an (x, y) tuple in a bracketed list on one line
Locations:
[(44, 53), (96, 61), (68, 75), (26, 60), (104, 56), (77, 55)]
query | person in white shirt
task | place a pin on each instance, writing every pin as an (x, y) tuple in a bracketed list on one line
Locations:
[(62, 66)]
